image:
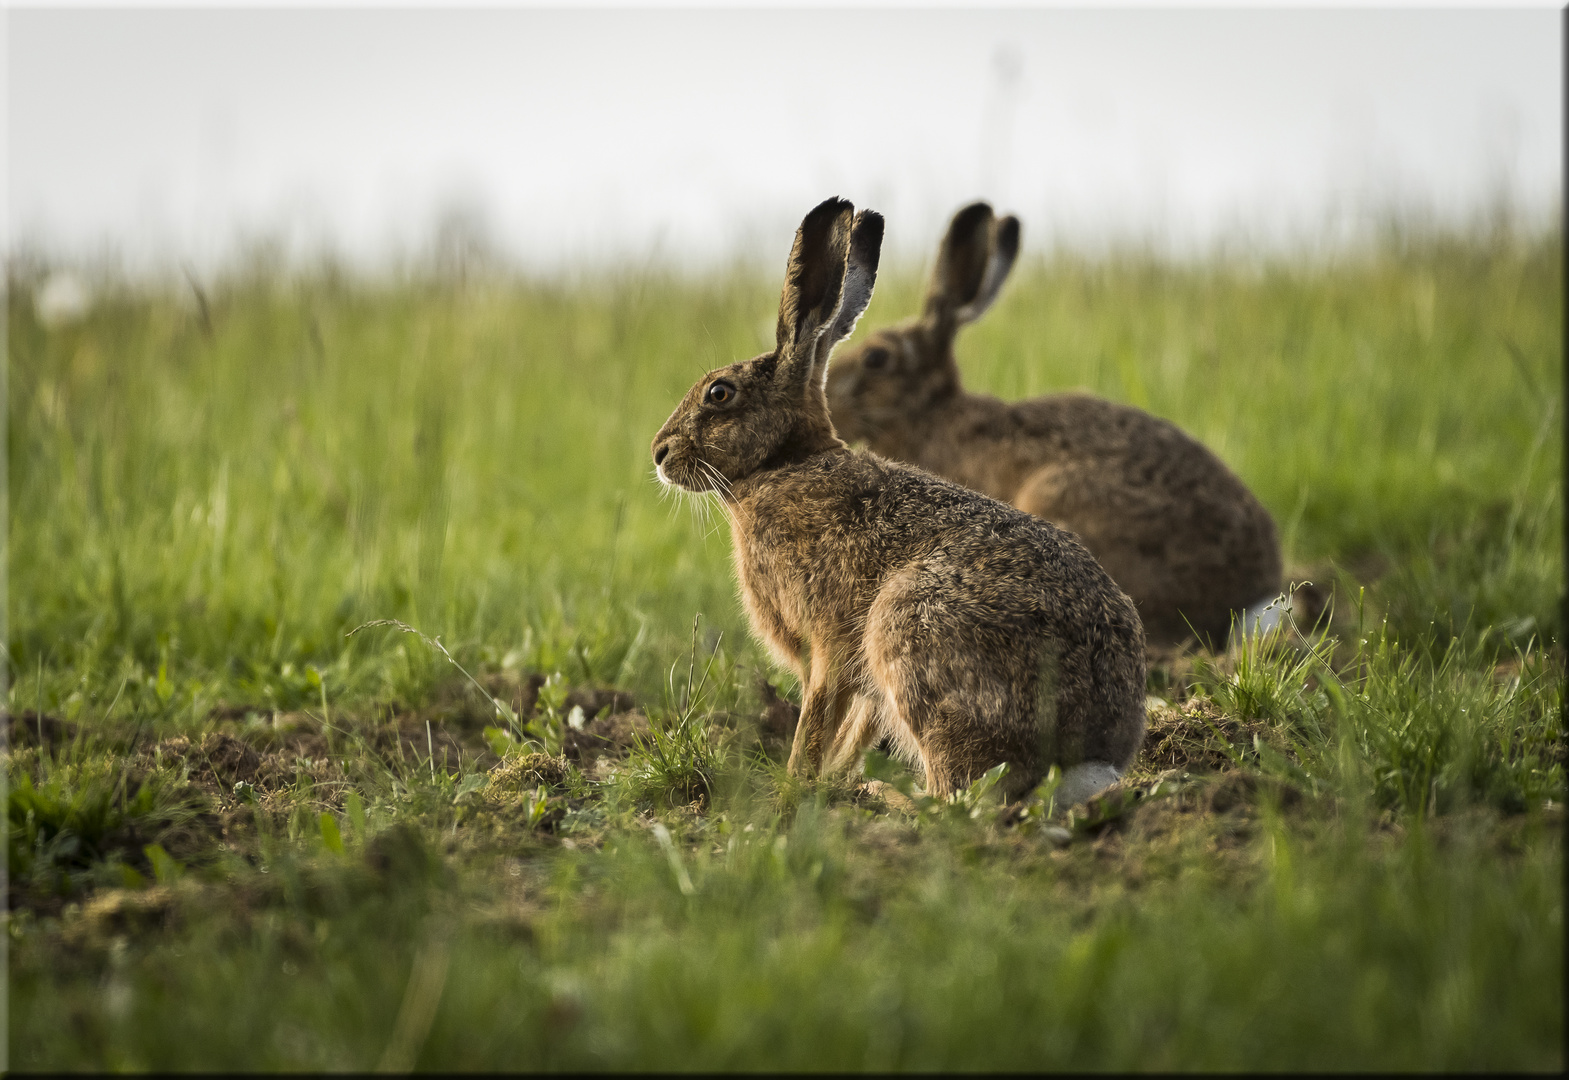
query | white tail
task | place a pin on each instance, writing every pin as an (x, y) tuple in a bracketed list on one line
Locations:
[(1081, 782), (1261, 618)]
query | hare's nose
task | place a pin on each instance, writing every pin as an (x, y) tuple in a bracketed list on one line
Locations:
[(659, 453)]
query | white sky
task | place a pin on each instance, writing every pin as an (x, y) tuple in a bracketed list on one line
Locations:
[(583, 136)]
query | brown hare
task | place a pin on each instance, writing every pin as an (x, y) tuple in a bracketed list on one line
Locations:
[(966, 632), (1172, 525)]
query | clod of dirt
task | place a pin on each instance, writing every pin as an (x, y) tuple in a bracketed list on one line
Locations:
[(527, 771), (1113, 805), (507, 802), (610, 736), (1194, 736), (122, 913)]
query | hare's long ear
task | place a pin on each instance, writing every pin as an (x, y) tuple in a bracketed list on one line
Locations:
[(961, 265), (814, 284), (860, 275), (1004, 250)]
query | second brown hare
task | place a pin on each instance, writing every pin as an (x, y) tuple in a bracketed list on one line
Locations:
[(964, 631), (1176, 529)]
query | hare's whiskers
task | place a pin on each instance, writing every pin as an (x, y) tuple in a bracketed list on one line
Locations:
[(721, 484), (723, 496), (719, 477), (697, 506)]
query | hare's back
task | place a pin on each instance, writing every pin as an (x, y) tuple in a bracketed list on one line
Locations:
[(998, 557), (1136, 450), (1116, 475), (846, 521)]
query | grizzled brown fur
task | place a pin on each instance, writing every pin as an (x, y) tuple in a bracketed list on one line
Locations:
[(1167, 519), (966, 631)]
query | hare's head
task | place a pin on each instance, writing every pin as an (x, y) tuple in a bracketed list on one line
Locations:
[(770, 410), (901, 371)]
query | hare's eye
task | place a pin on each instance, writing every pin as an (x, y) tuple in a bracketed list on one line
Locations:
[(875, 358), (721, 393)]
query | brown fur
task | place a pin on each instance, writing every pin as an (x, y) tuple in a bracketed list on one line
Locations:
[(967, 632), (1167, 519)]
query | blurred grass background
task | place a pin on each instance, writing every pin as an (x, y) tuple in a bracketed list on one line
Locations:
[(209, 489)]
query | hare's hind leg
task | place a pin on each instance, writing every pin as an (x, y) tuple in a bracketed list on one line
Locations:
[(945, 695), (892, 628), (952, 743)]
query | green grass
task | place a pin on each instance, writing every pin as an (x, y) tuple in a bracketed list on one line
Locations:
[(250, 840)]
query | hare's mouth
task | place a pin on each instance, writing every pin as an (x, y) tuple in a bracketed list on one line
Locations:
[(689, 476)]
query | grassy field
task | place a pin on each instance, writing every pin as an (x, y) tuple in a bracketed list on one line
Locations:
[(241, 837)]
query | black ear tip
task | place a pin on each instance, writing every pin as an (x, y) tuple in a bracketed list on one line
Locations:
[(829, 208), (971, 217), (869, 227), (866, 241), (1008, 233)]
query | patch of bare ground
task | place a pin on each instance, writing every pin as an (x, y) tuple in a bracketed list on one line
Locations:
[(1136, 834), (306, 768), (32, 728), (604, 739), (1173, 801), (389, 731), (1191, 778), (292, 760), (456, 714)]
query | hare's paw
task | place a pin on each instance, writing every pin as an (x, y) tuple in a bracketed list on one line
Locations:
[(881, 793)]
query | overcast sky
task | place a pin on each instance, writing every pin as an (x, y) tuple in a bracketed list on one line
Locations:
[(584, 136)]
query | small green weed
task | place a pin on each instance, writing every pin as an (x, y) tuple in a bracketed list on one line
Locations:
[(63, 830)]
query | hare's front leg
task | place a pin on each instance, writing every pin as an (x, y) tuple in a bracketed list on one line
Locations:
[(863, 722), (823, 705)]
